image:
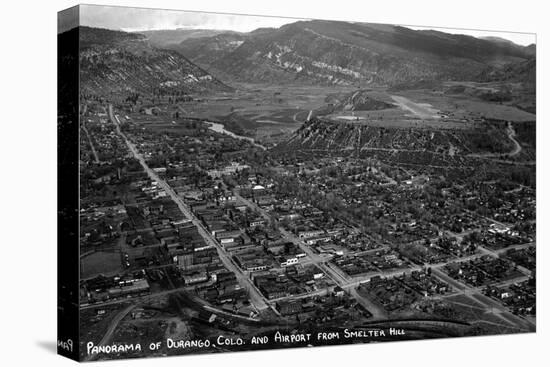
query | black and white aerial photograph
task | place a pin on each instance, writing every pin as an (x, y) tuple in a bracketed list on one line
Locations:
[(249, 183)]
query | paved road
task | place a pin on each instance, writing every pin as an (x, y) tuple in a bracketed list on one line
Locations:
[(497, 308), (257, 299), (351, 284), (340, 279), (313, 256)]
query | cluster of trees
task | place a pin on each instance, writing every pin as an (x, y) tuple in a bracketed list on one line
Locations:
[(492, 139)]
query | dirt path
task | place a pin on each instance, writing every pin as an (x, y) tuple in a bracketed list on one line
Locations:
[(512, 137), (94, 152), (424, 111), (511, 133), (111, 329)]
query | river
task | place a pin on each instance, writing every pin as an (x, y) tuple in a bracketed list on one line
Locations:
[(219, 128)]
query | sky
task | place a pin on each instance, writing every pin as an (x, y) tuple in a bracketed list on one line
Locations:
[(142, 19)]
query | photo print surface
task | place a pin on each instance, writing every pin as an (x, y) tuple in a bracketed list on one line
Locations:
[(250, 182)]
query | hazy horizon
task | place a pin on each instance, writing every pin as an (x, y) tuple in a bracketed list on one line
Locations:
[(131, 19)]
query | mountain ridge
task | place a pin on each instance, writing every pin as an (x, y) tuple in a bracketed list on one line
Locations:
[(118, 61), (332, 52)]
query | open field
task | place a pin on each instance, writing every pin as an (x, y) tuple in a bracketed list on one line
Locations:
[(421, 110), (468, 107), (266, 113), (264, 104), (100, 263), (269, 114), (432, 110), (298, 184)]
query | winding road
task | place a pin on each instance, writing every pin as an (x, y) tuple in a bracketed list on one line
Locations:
[(515, 151)]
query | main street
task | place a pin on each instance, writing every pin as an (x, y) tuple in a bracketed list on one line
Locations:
[(257, 299), (340, 279)]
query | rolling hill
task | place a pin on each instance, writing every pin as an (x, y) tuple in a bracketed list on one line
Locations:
[(437, 147)]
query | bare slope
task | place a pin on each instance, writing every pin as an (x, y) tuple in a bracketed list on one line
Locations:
[(113, 61), (331, 52)]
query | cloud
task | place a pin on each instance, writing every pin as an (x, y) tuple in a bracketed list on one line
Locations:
[(139, 19)]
